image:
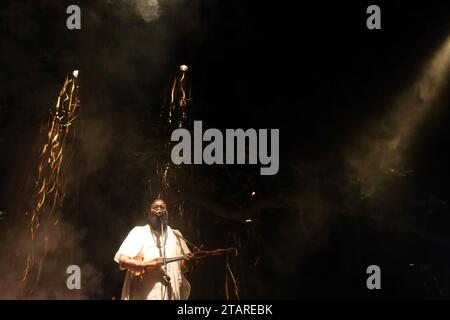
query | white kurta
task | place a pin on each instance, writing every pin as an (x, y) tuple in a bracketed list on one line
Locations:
[(141, 241)]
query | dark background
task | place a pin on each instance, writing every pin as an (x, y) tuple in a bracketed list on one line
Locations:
[(312, 70)]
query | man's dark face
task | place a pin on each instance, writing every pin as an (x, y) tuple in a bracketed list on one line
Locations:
[(153, 220), (156, 206)]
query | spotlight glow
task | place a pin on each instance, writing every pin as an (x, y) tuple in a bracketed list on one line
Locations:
[(408, 111)]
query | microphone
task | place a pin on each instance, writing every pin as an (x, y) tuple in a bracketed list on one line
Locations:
[(162, 214)]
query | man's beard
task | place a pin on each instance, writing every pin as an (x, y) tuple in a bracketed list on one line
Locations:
[(154, 222)]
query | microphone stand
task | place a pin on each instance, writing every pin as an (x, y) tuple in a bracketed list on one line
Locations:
[(166, 277)]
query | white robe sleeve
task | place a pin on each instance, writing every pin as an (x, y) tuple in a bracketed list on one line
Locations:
[(131, 245), (184, 285)]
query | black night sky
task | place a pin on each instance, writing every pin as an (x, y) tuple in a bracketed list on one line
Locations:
[(312, 70)]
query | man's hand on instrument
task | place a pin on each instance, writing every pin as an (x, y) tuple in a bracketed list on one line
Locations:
[(151, 264), (187, 261), (134, 265)]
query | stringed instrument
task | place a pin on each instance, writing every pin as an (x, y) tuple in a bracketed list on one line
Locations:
[(195, 256)]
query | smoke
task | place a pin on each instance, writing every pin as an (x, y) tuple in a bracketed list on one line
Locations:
[(149, 10), (64, 249)]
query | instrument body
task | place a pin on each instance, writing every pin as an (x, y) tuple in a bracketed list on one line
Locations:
[(194, 256)]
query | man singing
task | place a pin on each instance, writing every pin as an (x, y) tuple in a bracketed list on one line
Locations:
[(140, 255)]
